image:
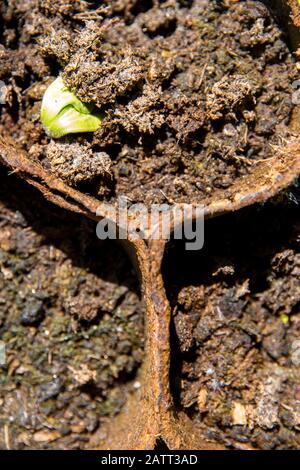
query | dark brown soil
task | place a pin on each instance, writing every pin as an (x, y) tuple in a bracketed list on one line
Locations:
[(71, 320), (236, 325), (194, 92)]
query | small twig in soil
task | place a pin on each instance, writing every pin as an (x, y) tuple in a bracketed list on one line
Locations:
[(6, 436)]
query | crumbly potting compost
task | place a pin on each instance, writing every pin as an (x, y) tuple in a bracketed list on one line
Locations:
[(194, 92), (71, 321), (236, 325), (194, 95)]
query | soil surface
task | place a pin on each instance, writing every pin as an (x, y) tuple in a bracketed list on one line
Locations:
[(236, 325), (194, 93), (71, 320)]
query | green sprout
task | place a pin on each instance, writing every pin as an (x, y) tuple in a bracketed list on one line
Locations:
[(63, 113)]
